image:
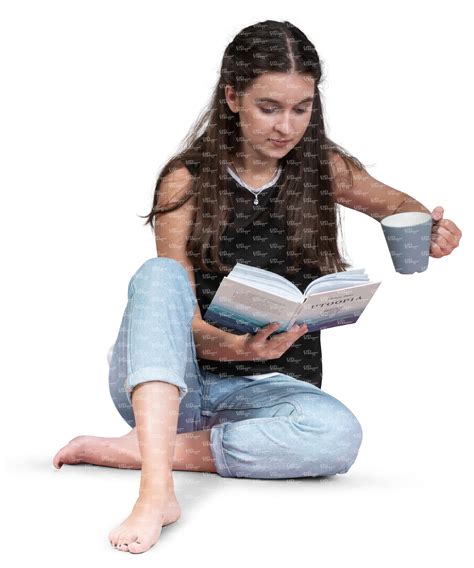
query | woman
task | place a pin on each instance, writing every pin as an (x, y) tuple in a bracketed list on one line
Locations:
[(257, 181)]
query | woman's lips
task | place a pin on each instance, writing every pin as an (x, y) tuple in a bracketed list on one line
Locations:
[(279, 143)]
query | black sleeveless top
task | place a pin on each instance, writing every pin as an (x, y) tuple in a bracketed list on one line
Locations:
[(255, 238)]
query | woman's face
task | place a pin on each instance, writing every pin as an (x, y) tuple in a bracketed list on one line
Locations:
[(276, 107)]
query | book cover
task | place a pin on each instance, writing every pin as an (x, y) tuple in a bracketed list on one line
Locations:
[(250, 298)]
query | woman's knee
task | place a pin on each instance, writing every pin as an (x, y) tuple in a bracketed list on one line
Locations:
[(348, 438), (162, 272), (158, 269), (326, 422)]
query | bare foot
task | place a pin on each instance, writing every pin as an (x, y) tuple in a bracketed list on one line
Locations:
[(142, 528), (192, 452), (122, 452)]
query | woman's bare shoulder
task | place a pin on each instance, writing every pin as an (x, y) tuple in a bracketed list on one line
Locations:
[(175, 184)]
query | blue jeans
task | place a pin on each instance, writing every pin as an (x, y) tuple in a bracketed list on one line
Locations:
[(275, 427)]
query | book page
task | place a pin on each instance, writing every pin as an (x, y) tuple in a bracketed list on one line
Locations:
[(336, 280), (265, 280)]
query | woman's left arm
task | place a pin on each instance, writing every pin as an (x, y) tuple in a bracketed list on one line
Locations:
[(358, 190)]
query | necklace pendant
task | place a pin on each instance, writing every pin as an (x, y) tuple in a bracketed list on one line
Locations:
[(256, 201)]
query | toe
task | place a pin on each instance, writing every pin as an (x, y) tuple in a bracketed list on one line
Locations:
[(114, 537), (57, 461), (138, 546), (123, 546), (125, 539)]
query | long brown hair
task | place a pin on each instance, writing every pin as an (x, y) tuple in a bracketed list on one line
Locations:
[(305, 200)]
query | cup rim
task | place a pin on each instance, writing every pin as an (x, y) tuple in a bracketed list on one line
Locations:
[(426, 216)]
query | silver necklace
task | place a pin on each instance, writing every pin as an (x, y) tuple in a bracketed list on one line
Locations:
[(255, 193)]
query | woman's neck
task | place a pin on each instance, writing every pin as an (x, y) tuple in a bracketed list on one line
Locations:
[(255, 174)]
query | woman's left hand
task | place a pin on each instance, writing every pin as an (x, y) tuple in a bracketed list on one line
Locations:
[(445, 235)]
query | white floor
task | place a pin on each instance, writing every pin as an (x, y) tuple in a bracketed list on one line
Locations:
[(387, 518)]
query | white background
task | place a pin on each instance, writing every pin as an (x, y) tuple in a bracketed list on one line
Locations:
[(96, 97)]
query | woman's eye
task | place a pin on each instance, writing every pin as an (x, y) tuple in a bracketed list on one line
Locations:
[(271, 110)]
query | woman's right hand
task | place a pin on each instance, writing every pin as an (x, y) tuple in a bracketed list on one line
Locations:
[(259, 348)]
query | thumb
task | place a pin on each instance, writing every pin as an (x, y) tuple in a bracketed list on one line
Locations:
[(437, 213)]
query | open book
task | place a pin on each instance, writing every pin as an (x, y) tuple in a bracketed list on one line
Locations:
[(250, 298)]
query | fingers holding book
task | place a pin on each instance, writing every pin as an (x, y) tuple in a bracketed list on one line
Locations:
[(259, 347)]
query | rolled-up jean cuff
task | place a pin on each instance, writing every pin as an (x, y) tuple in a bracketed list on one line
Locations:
[(162, 374), (217, 433)]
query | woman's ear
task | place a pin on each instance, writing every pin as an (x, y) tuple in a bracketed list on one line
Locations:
[(231, 98)]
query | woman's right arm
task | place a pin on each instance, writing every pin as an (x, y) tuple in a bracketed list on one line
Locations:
[(171, 233)]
